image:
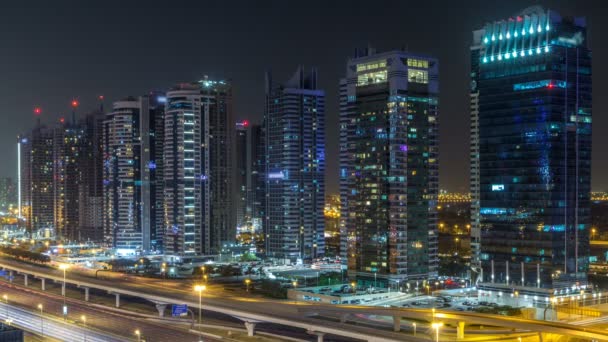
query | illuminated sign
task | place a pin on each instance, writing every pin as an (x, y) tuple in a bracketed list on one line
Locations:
[(276, 175), (498, 187)]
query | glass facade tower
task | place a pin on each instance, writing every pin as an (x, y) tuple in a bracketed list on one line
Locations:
[(389, 167), (295, 165), (531, 77)]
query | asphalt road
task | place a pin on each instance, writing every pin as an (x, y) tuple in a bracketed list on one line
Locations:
[(101, 325)]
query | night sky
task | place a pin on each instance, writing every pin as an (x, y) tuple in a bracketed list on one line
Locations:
[(53, 51)]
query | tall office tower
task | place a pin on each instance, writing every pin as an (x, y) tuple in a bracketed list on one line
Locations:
[(258, 178), (155, 177), (389, 114), (474, 163), (36, 171), (91, 186), (198, 168), (533, 78), (345, 169), (68, 143), (128, 189), (243, 167), (295, 187), (8, 193)]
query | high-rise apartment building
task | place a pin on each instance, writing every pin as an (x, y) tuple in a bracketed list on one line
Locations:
[(91, 187), (129, 167), (531, 150), (36, 183), (389, 166), (8, 193), (198, 168), (69, 141), (243, 180), (295, 166)]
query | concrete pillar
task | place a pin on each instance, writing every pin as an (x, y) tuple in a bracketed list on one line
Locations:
[(343, 318), (161, 309), (396, 323), (507, 269), (10, 276), (492, 268), (117, 299), (43, 284), (63, 289), (250, 328), (86, 294), (320, 335), (522, 275), (538, 275), (460, 331), (25, 280)]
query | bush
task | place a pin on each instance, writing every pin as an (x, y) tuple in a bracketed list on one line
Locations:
[(273, 289), (25, 255)]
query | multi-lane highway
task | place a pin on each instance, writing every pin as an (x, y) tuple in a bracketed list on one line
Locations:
[(101, 325)]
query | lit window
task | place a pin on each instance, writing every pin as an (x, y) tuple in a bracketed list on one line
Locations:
[(417, 63), (371, 78), (417, 76)]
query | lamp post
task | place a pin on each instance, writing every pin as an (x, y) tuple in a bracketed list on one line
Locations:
[(200, 289), (84, 322), (436, 326), (354, 286), (247, 282), (138, 334), (64, 267), (414, 325), (40, 307)]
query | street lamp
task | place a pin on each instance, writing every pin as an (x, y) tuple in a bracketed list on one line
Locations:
[(354, 286), (138, 334), (64, 267), (414, 325), (200, 289), (247, 281), (40, 307), (436, 326), (84, 322)]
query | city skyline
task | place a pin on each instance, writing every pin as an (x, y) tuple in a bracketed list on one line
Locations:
[(85, 66)]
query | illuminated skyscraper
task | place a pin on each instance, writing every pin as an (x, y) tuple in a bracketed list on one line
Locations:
[(295, 167), (129, 204), (243, 166), (36, 159), (68, 147), (198, 168), (389, 167), (531, 150)]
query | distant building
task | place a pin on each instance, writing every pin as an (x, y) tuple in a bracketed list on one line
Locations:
[(198, 168), (8, 193), (69, 142), (258, 177), (36, 183), (129, 166), (531, 146), (389, 167), (332, 226), (243, 167), (91, 187), (295, 167)]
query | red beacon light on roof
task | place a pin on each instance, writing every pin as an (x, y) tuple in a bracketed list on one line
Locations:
[(62, 120), (100, 97), (74, 103), (37, 111), (245, 123)]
